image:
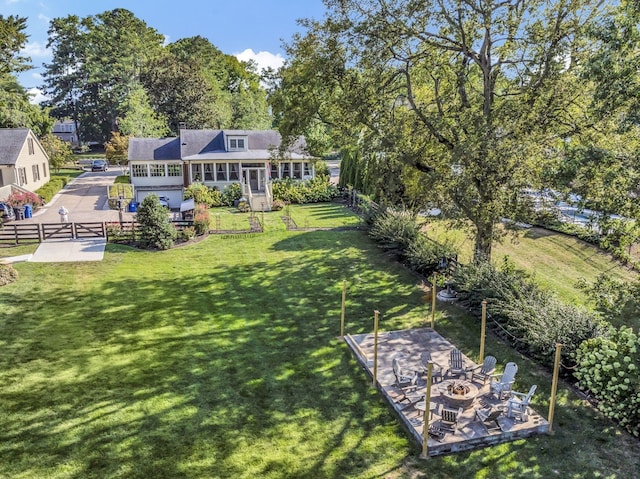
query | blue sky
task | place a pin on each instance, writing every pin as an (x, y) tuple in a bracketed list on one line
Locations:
[(249, 29)]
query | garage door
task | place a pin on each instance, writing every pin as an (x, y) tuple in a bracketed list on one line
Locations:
[(175, 196)]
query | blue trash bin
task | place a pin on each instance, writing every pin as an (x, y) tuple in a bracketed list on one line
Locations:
[(133, 207), (28, 211)]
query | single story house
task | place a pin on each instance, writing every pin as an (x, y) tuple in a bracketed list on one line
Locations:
[(24, 165), (216, 158)]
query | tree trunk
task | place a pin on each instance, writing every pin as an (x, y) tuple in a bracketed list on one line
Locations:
[(484, 242)]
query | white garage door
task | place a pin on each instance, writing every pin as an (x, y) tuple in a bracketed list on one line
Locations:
[(175, 196)]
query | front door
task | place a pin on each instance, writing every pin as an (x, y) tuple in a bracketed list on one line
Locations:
[(253, 180)]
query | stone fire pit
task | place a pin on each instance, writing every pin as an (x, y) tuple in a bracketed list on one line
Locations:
[(459, 394)]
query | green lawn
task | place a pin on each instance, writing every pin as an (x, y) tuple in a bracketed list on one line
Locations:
[(556, 260), (221, 359)]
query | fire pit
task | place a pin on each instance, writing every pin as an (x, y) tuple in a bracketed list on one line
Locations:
[(459, 394)]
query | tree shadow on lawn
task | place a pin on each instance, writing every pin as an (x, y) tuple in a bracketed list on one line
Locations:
[(141, 380)]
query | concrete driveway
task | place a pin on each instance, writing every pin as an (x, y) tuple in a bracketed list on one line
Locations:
[(86, 199)]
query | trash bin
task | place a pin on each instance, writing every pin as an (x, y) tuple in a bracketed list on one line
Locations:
[(133, 207), (28, 211), (19, 213)]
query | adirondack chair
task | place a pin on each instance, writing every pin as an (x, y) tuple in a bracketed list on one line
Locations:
[(449, 418), (483, 371), (405, 381), (518, 404), (501, 384), (436, 369), (489, 418), (456, 365)]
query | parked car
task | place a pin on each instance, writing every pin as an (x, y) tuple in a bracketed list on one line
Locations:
[(99, 165), (6, 212), (164, 201)]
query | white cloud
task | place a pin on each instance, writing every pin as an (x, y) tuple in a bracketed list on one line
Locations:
[(262, 59), (35, 49), (36, 96), (44, 18), (37, 76)]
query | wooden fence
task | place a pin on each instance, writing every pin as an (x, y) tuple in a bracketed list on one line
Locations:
[(16, 233)]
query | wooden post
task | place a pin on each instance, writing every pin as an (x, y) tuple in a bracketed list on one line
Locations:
[(433, 301), (376, 313), (483, 329), (427, 413), (554, 387), (344, 298)]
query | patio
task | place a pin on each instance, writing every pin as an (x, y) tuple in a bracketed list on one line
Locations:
[(471, 433)]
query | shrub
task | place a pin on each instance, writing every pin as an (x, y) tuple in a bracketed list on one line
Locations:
[(231, 193), (608, 367), (201, 194), (49, 190), (424, 255), (395, 230), (188, 233), (8, 274), (313, 190), (201, 219), (534, 318), (277, 205), (156, 231), (20, 199)]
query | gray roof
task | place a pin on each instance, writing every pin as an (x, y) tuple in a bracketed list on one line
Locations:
[(11, 142), (211, 145), (154, 149)]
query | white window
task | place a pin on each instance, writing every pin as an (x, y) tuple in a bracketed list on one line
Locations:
[(285, 170), (297, 170), (157, 169), (196, 172), (237, 143), (139, 171), (36, 172), (208, 172), (174, 170), (221, 172), (32, 151), (274, 171), (233, 172), (44, 169), (307, 168), (22, 176)]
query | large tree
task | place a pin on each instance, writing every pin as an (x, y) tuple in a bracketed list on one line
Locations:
[(15, 108), (475, 95), (96, 62)]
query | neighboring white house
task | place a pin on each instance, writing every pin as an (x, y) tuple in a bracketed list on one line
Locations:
[(24, 165), (66, 131), (216, 158)]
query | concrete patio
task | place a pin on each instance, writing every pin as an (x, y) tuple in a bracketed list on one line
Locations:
[(471, 433)]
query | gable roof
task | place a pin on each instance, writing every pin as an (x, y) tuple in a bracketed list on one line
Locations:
[(11, 143), (154, 149), (211, 145)]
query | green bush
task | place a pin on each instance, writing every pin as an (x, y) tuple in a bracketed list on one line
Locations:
[(52, 187), (314, 190), (156, 231), (201, 194), (231, 193), (534, 318), (201, 219), (424, 255), (608, 367), (395, 230), (188, 233)]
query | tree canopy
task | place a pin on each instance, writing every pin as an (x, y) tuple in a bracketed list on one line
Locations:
[(111, 72), (475, 96)]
